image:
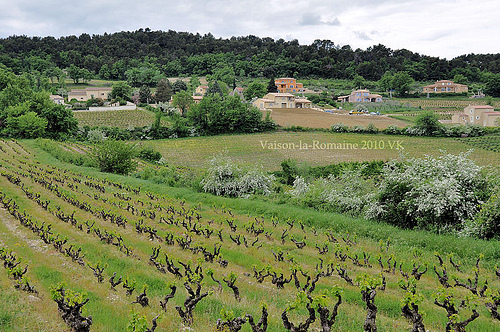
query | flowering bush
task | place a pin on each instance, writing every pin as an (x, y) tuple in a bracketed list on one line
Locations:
[(224, 178), (486, 225), (432, 193), (347, 193)]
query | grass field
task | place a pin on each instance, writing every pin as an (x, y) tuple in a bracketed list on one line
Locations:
[(317, 119), (250, 149), (68, 187), (121, 119)]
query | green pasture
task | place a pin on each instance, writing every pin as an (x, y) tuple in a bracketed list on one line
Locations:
[(270, 149)]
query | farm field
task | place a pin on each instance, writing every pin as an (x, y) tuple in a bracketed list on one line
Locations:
[(265, 149), (445, 105), (163, 237), (121, 119), (317, 119)]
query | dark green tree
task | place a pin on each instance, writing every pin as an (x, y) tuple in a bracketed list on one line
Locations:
[(163, 91), (271, 86), (214, 89), (492, 87), (145, 94), (178, 86)]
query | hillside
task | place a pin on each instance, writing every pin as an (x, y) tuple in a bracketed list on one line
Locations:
[(159, 237), (182, 53)]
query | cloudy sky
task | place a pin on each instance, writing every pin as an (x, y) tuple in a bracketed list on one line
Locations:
[(444, 28)]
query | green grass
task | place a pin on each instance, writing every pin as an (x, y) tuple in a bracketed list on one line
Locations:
[(112, 309), (248, 149)]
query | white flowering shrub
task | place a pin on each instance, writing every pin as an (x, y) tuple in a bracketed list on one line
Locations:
[(224, 178), (486, 225), (300, 187), (347, 193), (96, 136), (340, 128), (414, 131), (432, 193)]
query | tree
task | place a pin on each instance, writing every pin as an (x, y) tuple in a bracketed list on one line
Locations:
[(214, 89), (113, 156), (385, 82), (75, 73), (145, 94), (460, 79), (182, 100), (358, 81), (121, 90), (255, 90), (163, 91), (429, 123), (60, 121), (28, 125), (402, 82), (492, 87), (271, 86), (178, 86)]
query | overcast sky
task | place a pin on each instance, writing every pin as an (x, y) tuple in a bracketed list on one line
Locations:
[(444, 28)]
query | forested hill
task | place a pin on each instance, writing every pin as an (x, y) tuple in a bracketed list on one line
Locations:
[(181, 53)]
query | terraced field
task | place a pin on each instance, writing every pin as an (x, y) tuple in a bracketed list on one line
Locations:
[(121, 119)]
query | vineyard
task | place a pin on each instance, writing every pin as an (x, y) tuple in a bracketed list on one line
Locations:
[(444, 105), (491, 142), (117, 118), (86, 251)]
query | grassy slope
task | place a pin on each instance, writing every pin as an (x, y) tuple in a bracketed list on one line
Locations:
[(111, 309)]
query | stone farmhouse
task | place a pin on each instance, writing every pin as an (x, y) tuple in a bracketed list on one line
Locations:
[(89, 93), (288, 85), (445, 86), (281, 100), (57, 99), (201, 90), (483, 115), (360, 96)]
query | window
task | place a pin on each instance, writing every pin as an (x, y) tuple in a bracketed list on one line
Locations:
[(471, 111), (477, 117)]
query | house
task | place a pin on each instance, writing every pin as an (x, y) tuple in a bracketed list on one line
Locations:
[(288, 85), (360, 96), (445, 86), (483, 115), (281, 100), (57, 99), (237, 92), (89, 93), (197, 99), (201, 90)]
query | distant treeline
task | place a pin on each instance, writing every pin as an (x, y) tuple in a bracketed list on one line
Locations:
[(171, 53)]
